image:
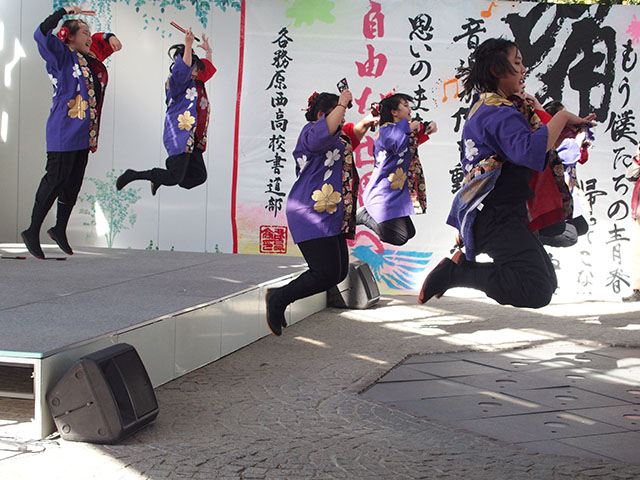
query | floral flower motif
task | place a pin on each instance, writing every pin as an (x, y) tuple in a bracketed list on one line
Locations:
[(326, 199), (191, 93), (470, 150), (397, 179), (186, 120), (77, 107), (53, 80), (204, 103), (382, 156), (63, 33), (76, 71), (302, 162), (332, 157), (327, 174)]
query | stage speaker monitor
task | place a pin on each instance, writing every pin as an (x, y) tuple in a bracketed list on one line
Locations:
[(359, 290), (104, 397)]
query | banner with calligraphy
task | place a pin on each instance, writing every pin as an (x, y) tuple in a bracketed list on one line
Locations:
[(583, 56)]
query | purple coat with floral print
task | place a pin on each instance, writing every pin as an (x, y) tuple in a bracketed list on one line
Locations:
[(69, 121), (181, 118), (387, 194), (315, 205), (494, 132)]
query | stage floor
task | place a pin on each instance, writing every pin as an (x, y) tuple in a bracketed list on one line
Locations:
[(47, 306)]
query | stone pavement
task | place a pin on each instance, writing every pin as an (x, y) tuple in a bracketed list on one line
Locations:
[(292, 408)]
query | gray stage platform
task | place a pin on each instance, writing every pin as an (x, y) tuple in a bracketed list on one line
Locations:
[(180, 310)]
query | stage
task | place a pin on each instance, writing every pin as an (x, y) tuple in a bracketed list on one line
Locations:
[(180, 310)]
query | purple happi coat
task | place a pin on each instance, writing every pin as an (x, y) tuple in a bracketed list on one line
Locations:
[(181, 118), (315, 206), (495, 132), (387, 194), (71, 118)]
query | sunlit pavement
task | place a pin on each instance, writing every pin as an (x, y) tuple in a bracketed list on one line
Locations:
[(307, 405)]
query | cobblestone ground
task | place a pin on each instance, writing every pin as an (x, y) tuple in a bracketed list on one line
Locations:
[(289, 407)]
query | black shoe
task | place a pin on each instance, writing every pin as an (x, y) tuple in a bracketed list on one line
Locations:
[(154, 189), (61, 239), (275, 312), (634, 297), (439, 279), (361, 216), (32, 242), (127, 177)]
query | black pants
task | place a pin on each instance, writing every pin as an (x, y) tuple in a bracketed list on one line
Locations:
[(62, 181), (328, 261), (581, 225), (521, 274), (185, 169), (396, 231)]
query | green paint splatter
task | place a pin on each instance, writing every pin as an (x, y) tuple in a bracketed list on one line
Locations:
[(114, 203), (308, 11)]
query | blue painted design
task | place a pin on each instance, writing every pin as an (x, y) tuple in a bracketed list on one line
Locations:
[(399, 270), (102, 21)]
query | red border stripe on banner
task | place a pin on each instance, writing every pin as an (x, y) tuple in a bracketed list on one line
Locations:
[(236, 135)]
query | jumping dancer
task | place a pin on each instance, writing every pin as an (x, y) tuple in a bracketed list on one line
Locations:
[(186, 121), (502, 147), (74, 64), (322, 202), (387, 197)]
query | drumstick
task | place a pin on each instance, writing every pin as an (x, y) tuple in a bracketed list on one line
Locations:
[(174, 24)]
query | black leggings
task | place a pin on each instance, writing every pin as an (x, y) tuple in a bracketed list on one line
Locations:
[(63, 180), (185, 169), (328, 261), (396, 231), (521, 274)]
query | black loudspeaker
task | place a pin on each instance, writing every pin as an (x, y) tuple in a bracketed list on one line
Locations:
[(359, 290), (104, 397)]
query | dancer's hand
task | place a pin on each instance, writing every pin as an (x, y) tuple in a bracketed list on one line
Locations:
[(431, 128), (115, 43), (576, 121), (205, 44), (188, 39), (533, 101), (78, 10), (345, 98), (415, 125)]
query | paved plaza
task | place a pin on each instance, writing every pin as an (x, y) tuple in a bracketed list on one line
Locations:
[(354, 394)]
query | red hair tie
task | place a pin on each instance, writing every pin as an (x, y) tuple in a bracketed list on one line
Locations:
[(311, 99), (375, 109), (63, 33), (391, 93)]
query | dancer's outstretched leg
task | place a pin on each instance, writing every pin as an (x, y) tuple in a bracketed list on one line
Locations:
[(328, 261)]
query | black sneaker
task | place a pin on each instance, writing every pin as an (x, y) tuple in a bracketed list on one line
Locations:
[(275, 312), (439, 279), (61, 240), (125, 179), (634, 297), (32, 242)]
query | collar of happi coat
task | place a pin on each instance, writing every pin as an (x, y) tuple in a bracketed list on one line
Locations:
[(92, 100), (350, 187), (489, 98)]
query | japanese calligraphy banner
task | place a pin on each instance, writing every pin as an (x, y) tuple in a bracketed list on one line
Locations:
[(583, 56)]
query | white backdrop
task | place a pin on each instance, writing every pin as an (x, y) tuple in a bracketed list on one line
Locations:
[(583, 56)]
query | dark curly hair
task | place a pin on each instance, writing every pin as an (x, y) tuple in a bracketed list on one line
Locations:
[(391, 103), (488, 62), (323, 102), (178, 49), (553, 107)]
